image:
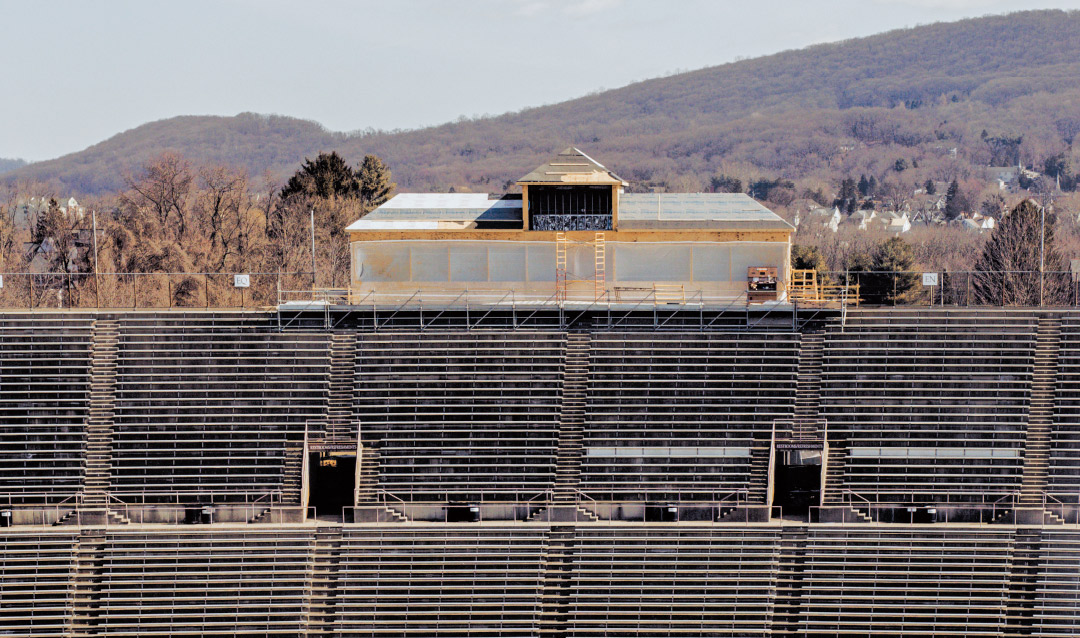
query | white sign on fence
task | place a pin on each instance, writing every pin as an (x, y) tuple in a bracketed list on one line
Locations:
[(929, 279), (242, 281)]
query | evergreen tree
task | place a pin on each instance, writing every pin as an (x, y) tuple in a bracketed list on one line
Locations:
[(808, 258), (326, 177), (885, 276), (373, 182), (929, 187), (864, 186), (1008, 272), (848, 195), (954, 201), (725, 184)]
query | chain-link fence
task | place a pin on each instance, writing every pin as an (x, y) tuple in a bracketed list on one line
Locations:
[(962, 288), (146, 290), (261, 290)]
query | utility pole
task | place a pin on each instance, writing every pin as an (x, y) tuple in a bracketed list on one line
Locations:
[(1042, 245), (312, 211), (97, 278)]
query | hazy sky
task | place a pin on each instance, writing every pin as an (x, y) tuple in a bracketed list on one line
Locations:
[(74, 73)]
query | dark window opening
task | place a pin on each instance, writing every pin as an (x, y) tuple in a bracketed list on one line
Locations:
[(570, 208)]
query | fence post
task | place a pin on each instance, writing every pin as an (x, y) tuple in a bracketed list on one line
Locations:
[(134, 291), (206, 289)]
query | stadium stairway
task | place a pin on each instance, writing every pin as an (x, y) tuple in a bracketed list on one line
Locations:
[(88, 578), (834, 474), (367, 487), (1025, 565), (789, 581), (558, 574), (1041, 414), (99, 427), (325, 572), (293, 476), (341, 415), (808, 385), (570, 447), (368, 490)]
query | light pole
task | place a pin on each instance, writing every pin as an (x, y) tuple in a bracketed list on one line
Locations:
[(1042, 244), (97, 278), (312, 211)]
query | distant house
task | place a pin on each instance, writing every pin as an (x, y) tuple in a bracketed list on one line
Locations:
[(975, 222), (1005, 174), (833, 220), (897, 224), (27, 210), (985, 222), (863, 219)]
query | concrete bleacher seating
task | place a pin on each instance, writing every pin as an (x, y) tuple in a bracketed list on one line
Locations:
[(36, 582), (440, 580), (461, 416), (668, 580), (206, 409), (44, 405), (929, 407), (1057, 599), (1063, 482), (684, 416), (925, 406), (176, 582), (912, 581)]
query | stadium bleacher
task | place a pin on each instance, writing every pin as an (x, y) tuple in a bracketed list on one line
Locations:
[(685, 416), (44, 406), (440, 580), (207, 409), (1063, 482), (912, 581), (633, 580), (923, 408), (928, 407), (461, 416), (196, 582), (36, 582)]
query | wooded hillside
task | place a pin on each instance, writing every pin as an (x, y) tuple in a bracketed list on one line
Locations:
[(1002, 89)]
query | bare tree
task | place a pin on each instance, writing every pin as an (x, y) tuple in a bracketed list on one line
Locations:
[(163, 188), (220, 203)]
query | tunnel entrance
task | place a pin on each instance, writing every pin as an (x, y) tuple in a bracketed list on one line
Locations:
[(797, 481), (331, 483)]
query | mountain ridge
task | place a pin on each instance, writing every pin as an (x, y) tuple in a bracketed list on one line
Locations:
[(800, 114)]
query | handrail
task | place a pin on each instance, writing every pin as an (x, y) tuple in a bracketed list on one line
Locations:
[(741, 496), (1011, 496), (546, 494), (849, 494)]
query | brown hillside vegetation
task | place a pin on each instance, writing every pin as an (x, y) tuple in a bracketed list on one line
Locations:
[(995, 89)]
